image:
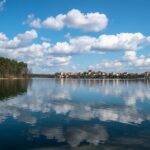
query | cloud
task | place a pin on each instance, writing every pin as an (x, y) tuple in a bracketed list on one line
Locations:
[(107, 65), (53, 23), (73, 19), (140, 62), (122, 41), (87, 22), (118, 42), (103, 43), (22, 47), (133, 60), (129, 62), (130, 55), (18, 41), (3, 37), (45, 39), (2, 3), (50, 61)]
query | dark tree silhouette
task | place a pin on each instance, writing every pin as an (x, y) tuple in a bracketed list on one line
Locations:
[(11, 68)]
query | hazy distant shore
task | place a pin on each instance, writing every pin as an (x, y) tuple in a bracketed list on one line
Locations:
[(93, 75)]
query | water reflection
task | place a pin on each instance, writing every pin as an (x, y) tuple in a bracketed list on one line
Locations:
[(46, 97), (73, 135), (10, 88), (79, 114)]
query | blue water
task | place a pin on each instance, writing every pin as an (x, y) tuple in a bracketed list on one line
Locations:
[(74, 114)]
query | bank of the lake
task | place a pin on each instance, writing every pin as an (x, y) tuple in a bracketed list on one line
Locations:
[(12, 69)]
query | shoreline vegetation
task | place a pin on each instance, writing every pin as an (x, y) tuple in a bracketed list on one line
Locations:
[(12, 69)]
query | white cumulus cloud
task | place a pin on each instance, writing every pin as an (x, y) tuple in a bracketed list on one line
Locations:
[(129, 62), (73, 19), (46, 54), (38, 56), (103, 43)]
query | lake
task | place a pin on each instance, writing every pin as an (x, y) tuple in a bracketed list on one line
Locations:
[(74, 114)]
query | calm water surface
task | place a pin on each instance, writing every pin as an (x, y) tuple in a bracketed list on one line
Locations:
[(72, 114)]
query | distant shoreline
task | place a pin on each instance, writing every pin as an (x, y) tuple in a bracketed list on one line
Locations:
[(84, 75), (75, 78)]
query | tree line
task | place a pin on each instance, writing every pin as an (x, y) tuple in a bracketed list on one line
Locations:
[(12, 68)]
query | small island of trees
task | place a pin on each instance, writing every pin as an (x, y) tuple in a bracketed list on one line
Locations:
[(12, 68)]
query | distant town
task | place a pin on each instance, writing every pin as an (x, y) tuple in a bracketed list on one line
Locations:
[(94, 74)]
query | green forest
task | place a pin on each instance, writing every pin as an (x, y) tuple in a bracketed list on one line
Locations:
[(12, 68)]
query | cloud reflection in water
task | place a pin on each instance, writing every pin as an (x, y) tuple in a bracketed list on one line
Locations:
[(79, 113), (60, 99)]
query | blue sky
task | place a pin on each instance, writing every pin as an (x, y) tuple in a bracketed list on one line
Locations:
[(76, 35)]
